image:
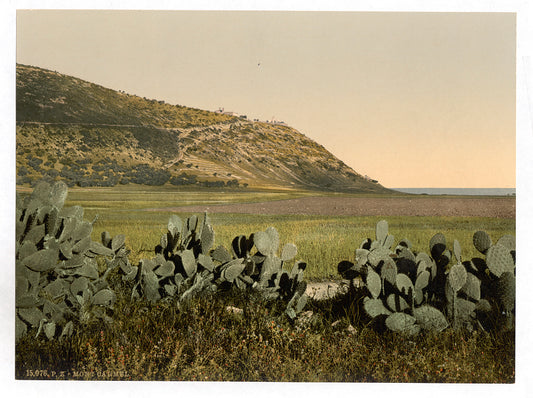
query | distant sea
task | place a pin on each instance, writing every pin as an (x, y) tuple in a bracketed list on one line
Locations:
[(460, 191)]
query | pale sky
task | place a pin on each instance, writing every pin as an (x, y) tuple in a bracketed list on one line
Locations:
[(410, 99)]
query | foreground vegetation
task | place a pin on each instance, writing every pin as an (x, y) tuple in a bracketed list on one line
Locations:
[(228, 335), (206, 342)]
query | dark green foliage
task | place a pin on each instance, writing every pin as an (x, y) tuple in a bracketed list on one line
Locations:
[(144, 174), (22, 171), (184, 179)]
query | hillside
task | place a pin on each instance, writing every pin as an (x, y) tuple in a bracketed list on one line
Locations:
[(89, 135)]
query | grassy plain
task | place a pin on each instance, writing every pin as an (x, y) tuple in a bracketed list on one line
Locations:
[(322, 241)]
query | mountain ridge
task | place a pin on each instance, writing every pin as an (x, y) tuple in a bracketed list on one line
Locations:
[(89, 135)]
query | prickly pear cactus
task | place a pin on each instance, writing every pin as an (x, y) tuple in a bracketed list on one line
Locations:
[(499, 260), (397, 283), (482, 241), (506, 287), (186, 266), (402, 323), (58, 282), (181, 267), (263, 270), (375, 307), (430, 318), (457, 277), (415, 291)]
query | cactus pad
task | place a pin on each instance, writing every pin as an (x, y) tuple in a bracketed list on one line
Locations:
[(402, 323), (31, 315), (389, 271), (482, 241), (506, 291), (472, 287), (457, 250), (499, 260), (175, 225), (405, 252), (42, 260), (382, 230), (457, 277), (165, 269), (389, 241), (189, 262), (378, 255), (104, 297), (267, 242), (464, 312), (233, 269), (288, 252), (207, 238), (404, 284), (374, 307), (430, 318), (396, 303), (422, 280), (221, 255), (437, 245), (373, 283)]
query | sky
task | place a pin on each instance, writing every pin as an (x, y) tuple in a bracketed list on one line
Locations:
[(411, 99)]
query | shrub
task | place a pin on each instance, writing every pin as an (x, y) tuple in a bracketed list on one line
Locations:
[(22, 171), (52, 173), (184, 179)]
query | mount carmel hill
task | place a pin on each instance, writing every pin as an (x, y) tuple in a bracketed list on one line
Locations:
[(87, 135)]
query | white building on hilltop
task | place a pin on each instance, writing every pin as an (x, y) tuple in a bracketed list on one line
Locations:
[(229, 113)]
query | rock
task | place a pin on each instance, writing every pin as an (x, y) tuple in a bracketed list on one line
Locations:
[(304, 319), (351, 330), (325, 290), (234, 310)]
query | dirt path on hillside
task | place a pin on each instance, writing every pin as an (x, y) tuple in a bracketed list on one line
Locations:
[(500, 207)]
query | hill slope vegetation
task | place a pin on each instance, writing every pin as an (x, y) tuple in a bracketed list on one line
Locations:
[(89, 135)]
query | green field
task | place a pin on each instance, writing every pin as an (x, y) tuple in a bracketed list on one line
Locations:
[(322, 241)]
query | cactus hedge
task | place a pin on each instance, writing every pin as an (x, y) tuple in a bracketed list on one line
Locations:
[(185, 265), (63, 276), (410, 292), (59, 283)]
